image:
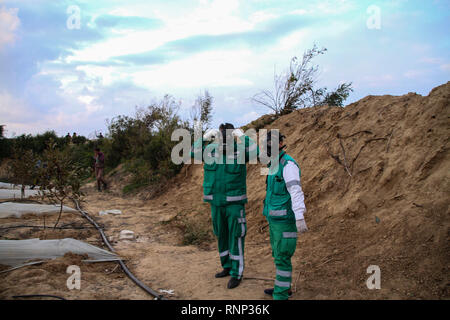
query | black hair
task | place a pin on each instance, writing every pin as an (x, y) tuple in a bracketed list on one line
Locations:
[(226, 126), (223, 130), (280, 136)]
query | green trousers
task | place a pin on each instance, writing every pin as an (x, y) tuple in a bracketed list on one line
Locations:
[(283, 239), (230, 228)]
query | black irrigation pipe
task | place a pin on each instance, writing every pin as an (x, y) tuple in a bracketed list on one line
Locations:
[(28, 226), (122, 264), (39, 295)]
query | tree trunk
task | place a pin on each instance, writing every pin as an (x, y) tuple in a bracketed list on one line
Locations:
[(59, 216)]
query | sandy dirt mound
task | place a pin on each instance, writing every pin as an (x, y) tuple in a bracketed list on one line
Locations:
[(384, 203)]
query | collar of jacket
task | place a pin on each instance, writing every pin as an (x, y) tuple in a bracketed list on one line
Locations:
[(282, 153)]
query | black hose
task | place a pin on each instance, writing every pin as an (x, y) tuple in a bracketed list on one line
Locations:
[(28, 226), (122, 264), (39, 295)]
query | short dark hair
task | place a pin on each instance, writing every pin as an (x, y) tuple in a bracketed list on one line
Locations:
[(281, 136), (225, 126), (97, 149), (223, 130)]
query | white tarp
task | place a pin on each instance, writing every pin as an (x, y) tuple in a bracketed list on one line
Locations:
[(6, 194), (11, 209), (16, 252), (11, 186), (112, 211)]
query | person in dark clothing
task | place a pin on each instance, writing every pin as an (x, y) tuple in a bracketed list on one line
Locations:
[(68, 138), (99, 165)]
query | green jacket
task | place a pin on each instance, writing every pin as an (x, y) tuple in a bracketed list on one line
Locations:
[(225, 183), (278, 205)]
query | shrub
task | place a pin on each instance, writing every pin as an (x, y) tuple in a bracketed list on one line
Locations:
[(143, 143), (196, 232), (296, 88), (60, 177)]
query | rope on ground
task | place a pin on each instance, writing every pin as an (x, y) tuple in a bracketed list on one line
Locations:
[(23, 265), (122, 264)]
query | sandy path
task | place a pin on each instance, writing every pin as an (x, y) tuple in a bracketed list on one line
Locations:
[(159, 261)]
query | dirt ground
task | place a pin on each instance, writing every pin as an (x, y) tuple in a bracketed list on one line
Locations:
[(385, 203), (155, 257)]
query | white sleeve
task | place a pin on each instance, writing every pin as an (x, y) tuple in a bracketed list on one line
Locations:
[(291, 175)]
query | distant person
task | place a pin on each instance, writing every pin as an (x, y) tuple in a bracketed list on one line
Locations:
[(68, 138), (100, 136), (99, 165), (284, 208)]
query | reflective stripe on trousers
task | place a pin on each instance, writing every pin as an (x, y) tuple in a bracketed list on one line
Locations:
[(236, 198), (224, 253)]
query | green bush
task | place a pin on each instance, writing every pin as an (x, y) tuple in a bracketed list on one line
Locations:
[(143, 143), (196, 232)]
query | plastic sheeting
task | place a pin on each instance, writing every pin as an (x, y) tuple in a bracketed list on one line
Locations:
[(6, 194), (16, 252), (11, 209), (112, 211), (11, 186)]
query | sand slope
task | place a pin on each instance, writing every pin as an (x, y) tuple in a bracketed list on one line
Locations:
[(390, 208)]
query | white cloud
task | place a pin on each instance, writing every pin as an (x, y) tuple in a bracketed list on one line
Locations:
[(89, 105), (445, 67), (215, 18), (431, 60), (207, 69), (12, 109), (261, 16), (414, 74), (9, 22), (376, 80), (248, 117), (19, 117)]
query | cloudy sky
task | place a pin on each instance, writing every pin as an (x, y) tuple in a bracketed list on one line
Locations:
[(68, 74)]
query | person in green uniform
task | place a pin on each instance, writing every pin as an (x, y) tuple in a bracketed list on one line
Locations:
[(284, 209), (225, 188)]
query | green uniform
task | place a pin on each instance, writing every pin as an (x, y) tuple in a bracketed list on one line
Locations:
[(224, 187), (283, 231)]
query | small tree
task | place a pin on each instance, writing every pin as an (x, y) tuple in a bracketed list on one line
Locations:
[(201, 111), (5, 149), (60, 177), (337, 97), (296, 88), (22, 168)]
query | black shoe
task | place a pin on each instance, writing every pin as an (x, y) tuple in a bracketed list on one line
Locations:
[(233, 283), (270, 292), (223, 273)]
